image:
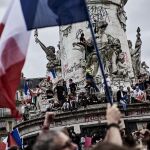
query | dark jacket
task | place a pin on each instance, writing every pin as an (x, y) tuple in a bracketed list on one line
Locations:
[(119, 95)]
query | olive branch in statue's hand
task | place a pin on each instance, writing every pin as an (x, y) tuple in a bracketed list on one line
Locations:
[(36, 40)]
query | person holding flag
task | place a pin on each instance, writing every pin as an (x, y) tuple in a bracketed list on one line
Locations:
[(12, 142)]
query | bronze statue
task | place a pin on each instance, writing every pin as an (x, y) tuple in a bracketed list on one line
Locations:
[(53, 62)]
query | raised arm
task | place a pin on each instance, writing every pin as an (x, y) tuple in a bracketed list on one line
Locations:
[(42, 45), (49, 117), (113, 116)]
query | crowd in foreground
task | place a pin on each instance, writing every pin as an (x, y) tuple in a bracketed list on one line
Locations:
[(115, 139)]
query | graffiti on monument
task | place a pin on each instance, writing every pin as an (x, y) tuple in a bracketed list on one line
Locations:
[(67, 30), (98, 13), (139, 112), (63, 53), (83, 119), (78, 33), (93, 117), (73, 71), (72, 68)]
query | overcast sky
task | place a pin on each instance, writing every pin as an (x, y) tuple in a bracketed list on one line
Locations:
[(138, 15)]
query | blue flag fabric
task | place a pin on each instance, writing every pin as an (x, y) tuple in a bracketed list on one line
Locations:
[(46, 13), (16, 136), (26, 88)]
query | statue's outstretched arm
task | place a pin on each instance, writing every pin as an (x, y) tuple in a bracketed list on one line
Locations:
[(42, 45)]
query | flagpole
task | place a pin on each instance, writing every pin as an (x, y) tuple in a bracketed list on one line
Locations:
[(108, 95)]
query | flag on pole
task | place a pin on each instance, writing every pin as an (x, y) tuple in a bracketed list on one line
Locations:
[(16, 136), (51, 74), (26, 88), (23, 15), (11, 141), (46, 13), (20, 16), (14, 40), (27, 93)]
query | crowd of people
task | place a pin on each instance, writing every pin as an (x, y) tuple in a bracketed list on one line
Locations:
[(72, 100), (114, 139), (137, 93), (66, 96)]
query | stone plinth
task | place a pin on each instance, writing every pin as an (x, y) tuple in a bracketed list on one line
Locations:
[(94, 114)]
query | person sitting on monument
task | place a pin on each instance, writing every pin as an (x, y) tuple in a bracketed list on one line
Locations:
[(65, 87), (146, 82), (49, 93), (108, 84), (93, 99), (60, 90), (51, 106), (129, 93), (82, 99), (73, 101), (82, 40), (72, 86), (90, 80), (66, 105), (122, 97), (141, 84), (139, 95), (148, 92), (88, 45)]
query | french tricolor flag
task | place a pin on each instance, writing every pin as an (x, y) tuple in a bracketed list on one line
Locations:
[(14, 40), (51, 74), (12, 140)]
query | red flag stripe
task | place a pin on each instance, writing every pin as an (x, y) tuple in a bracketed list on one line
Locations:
[(2, 146), (1, 28), (10, 80), (13, 49), (11, 141)]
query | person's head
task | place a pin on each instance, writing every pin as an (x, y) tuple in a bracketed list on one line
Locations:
[(37, 86), (65, 131), (148, 126), (51, 101), (70, 80), (148, 85), (58, 83), (82, 35), (51, 48), (130, 141), (71, 96), (106, 75), (121, 88), (137, 88), (109, 146), (82, 93), (64, 82), (128, 88), (54, 140)]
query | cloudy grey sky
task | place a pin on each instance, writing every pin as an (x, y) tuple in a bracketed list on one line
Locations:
[(138, 15)]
